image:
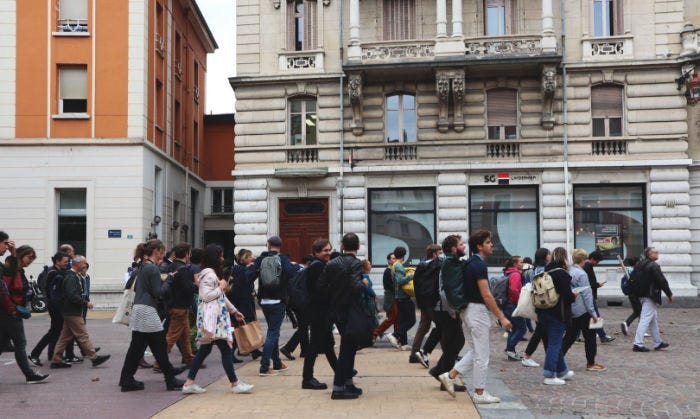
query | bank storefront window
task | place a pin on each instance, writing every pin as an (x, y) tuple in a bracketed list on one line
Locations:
[(511, 214), (401, 217), (611, 219)]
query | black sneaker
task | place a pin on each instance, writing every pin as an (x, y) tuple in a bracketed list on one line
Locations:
[(343, 395), (132, 386), (284, 351), (661, 346), (313, 384), (37, 378), (352, 389), (100, 359), (35, 360), (73, 360), (636, 348), (607, 339), (59, 365)]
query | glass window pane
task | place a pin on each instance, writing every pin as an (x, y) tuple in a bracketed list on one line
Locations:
[(310, 131), (615, 127), (311, 106), (403, 200), (296, 105), (503, 198), (409, 126), (295, 128), (409, 102), (392, 126), (72, 230), (513, 233), (492, 21), (593, 197), (598, 127), (216, 198), (392, 102), (494, 133), (71, 199), (598, 26), (511, 132), (613, 232)]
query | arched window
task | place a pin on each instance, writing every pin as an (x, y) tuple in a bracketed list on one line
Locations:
[(302, 121), (502, 114), (606, 110), (401, 118)]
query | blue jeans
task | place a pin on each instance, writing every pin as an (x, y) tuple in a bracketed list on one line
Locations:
[(226, 359), (519, 327), (554, 364), (274, 315)]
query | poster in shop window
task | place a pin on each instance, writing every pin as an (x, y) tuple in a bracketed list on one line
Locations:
[(608, 240)]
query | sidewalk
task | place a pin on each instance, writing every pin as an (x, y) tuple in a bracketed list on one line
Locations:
[(392, 387)]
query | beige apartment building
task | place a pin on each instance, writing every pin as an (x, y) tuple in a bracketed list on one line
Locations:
[(548, 123)]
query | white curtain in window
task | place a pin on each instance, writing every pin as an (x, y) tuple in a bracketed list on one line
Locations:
[(73, 82), (73, 9)]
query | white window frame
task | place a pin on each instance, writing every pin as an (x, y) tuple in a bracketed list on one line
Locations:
[(606, 119), (401, 111), (62, 75), (502, 131), (308, 118)]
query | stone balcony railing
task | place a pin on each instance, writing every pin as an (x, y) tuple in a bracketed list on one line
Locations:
[(397, 50), (302, 155), (504, 45), (607, 48), (300, 61)]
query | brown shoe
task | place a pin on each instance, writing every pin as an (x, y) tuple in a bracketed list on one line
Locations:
[(281, 368), (269, 373)]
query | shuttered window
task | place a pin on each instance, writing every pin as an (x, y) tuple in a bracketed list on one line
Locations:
[(72, 89), (502, 114), (301, 25), (607, 18), (399, 19), (606, 110)]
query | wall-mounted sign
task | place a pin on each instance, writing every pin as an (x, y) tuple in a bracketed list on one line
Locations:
[(508, 178), (608, 240), (114, 234)]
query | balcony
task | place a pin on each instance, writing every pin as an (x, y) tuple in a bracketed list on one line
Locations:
[(391, 51), (503, 150), (401, 152), (609, 148), (74, 26), (512, 45), (302, 155), (301, 61), (608, 49)]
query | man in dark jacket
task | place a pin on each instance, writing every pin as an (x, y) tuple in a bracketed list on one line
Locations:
[(272, 296), (73, 323), (593, 260), (343, 280), (651, 301), (321, 324), (425, 282)]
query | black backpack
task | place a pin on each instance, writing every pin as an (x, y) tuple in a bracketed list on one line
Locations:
[(41, 279), (425, 283), (639, 283), (298, 289)]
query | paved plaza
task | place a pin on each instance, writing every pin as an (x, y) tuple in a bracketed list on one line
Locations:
[(655, 384)]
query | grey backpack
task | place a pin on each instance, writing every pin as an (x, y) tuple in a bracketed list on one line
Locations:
[(271, 273)]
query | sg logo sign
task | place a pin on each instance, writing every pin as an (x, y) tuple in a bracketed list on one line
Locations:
[(489, 178)]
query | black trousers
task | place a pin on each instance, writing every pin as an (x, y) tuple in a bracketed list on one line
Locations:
[(346, 361), (451, 340), (580, 323), (51, 337), (301, 335), (537, 335), (139, 342), (636, 309), (321, 342)]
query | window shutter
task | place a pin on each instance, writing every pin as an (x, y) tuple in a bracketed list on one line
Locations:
[(399, 19), (606, 102), (73, 9), (291, 34), (310, 17), (501, 107), (73, 82)]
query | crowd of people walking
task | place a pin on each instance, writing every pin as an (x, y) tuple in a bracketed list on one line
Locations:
[(187, 288)]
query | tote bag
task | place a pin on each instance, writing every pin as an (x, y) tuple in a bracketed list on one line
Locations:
[(249, 337), (126, 304), (526, 307)]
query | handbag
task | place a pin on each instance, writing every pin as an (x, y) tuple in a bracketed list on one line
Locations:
[(360, 325), (23, 312), (249, 337), (126, 304), (525, 307)]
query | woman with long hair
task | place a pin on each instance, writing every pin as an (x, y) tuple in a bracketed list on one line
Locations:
[(555, 319), (145, 324), (511, 269), (213, 322), (14, 295)]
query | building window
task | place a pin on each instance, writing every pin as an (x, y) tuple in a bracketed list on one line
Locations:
[(221, 200), (72, 89), (607, 17), (606, 111), (195, 82), (302, 121), (502, 114), (498, 17), (301, 25), (195, 146), (511, 215), (610, 219), (72, 218), (401, 118), (72, 16), (401, 217), (399, 21)]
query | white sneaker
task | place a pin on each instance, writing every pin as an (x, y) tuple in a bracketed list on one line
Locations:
[(647, 335), (193, 389), (448, 382), (242, 387), (625, 328), (485, 398), (406, 348), (529, 362), (394, 342), (568, 376), (554, 381)]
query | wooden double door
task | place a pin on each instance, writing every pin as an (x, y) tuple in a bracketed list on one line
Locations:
[(301, 222)]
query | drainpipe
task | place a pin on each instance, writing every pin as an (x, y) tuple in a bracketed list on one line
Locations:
[(565, 135), (341, 183)]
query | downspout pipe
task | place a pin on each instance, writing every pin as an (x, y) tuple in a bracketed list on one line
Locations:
[(565, 131), (341, 82)]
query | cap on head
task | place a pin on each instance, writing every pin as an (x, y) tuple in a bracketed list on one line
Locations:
[(274, 241)]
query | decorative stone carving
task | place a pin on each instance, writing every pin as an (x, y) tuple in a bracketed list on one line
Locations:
[(549, 85), (457, 100), (503, 46), (355, 94), (398, 51), (689, 40), (326, 2), (299, 62), (442, 80), (276, 4)]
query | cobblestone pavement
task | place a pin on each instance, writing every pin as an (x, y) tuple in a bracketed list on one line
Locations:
[(654, 384)]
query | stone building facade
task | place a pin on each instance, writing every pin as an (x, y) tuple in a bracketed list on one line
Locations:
[(419, 119)]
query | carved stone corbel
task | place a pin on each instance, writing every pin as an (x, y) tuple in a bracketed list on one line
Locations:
[(549, 86), (355, 94), (442, 85), (457, 100), (276, 4)]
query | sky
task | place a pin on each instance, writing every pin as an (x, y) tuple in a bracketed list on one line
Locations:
[(221, 18)]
